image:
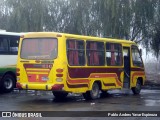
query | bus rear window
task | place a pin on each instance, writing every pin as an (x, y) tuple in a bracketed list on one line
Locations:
[(39, 48)]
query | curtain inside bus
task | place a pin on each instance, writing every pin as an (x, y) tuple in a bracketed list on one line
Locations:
[(94, 59), (73, 53)]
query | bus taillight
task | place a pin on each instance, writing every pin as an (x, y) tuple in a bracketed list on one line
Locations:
[(59, 70), (59, 75), (18, 85), (17, 71)]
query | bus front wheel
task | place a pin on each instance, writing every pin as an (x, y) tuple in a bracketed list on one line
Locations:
[(7, 83), (59, 94), (94, 93), (137, 89)]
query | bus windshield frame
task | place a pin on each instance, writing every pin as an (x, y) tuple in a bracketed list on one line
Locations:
[(39, 48)]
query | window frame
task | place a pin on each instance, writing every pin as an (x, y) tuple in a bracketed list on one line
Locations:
[(97, 51), (9, 39), (77, 49), (114, 51), (140, 57), (39, 38)]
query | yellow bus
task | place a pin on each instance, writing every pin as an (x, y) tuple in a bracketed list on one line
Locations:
[(66, 63)]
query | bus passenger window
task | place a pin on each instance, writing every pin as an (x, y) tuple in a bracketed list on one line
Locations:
[(75, 52), (95, 53), (3, 45), (113, 54)]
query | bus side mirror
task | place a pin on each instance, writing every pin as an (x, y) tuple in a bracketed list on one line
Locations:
[(140, 51)]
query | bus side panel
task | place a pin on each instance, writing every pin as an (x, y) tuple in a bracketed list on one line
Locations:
[(82, 79)]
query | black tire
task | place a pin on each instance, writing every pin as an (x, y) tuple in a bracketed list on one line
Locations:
[(94, 93), (7, 83), (60, 94), (136, 90)]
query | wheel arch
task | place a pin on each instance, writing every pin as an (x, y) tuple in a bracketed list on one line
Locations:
[(98, 82)]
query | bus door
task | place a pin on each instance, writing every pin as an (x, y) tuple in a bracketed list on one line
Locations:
[(126, 54)]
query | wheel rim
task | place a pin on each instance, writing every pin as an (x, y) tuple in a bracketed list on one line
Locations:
[(8, 83), (95, 90), (138, 86)]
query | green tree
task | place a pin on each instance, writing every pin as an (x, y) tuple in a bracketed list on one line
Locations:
[(26, 15)]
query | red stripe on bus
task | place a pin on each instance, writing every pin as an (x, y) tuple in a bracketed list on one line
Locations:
[(77, 85), (99, 75), (38, 71), (109, 84), (86, 72), (137, 74), (118, 82), (107, 76), (77, 80), (72, 81)]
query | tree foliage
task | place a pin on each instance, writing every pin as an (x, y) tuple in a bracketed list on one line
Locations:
[(137, 20)]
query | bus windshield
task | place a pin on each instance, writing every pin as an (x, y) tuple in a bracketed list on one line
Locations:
[(39, 48)]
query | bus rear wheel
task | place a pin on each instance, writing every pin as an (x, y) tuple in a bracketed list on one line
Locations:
[(7, 83), (137, 89), (59, 94), (94, 93)]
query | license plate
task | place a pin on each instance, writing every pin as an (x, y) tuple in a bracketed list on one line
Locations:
[(44, 78)]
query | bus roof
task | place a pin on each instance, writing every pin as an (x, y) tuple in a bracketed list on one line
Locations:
[(52, 34), (10, 33), (99, 38)]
